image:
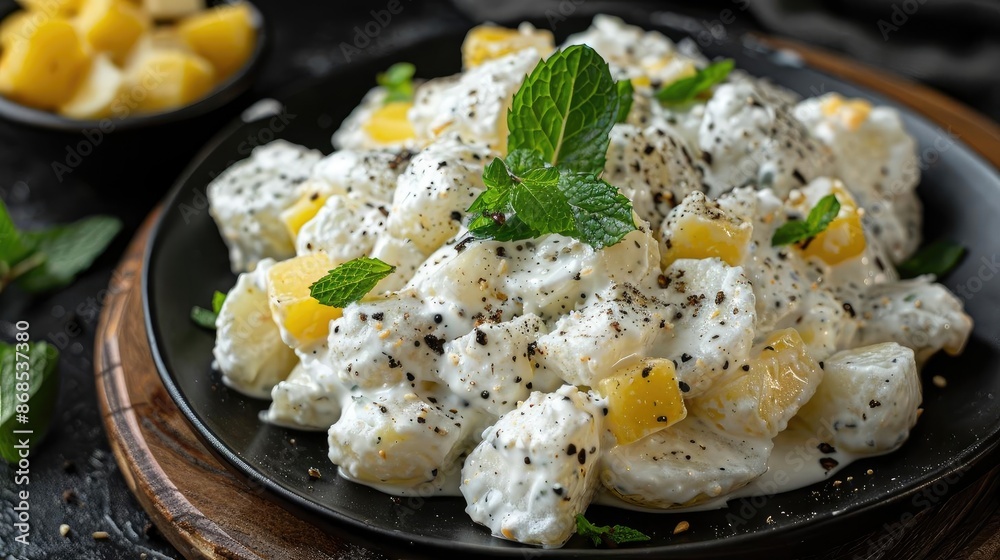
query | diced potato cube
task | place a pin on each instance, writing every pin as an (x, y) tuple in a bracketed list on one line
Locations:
[(224, 35), (172, 9), (301, 319), (45, 69), (112, 26), (303, 210), (97, 92), (171, 79), (488, 42), (390, 124), (642, 399)]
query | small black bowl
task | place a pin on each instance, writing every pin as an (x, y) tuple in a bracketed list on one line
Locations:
[(222, 95)]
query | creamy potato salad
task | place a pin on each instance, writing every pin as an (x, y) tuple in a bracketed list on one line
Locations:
[(753, 292)]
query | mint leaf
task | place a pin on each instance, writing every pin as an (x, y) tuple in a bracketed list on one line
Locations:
[(42, 386), (521, 161), (601, 214), (350, 281), (619, 534), (397, 81), (204, 318), (13, 246), (686, 89), (542, 206), (625, 92), (68, 250), (938, 259), (565, 109), (818, 220), (218, 298)]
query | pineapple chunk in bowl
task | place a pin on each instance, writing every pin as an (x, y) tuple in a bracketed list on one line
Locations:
[(112, 65)]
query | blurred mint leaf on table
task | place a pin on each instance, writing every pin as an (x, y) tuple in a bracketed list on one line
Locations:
[(42, 385)]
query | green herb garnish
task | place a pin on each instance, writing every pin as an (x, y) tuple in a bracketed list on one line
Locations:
[(686, 89), (39, 382), (43, 260), (205, 318), (938, 259), (559, 123), (611, 536), (625, 93), (398, 82), (350, 281), (816, 222)]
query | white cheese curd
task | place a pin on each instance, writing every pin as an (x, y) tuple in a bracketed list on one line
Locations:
[(474, 105), (434, 191), (394, 341), (536, 468), (397, 438), (467, 370), (688, 463), (868, 400), (917, 313), (653, 167), (246, 201), (310, 398), (749, 138), (711, 320), (492, 366), (345, 228), (368, 175), (248, 348)]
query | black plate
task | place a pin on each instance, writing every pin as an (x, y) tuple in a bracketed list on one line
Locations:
[(187, 260)]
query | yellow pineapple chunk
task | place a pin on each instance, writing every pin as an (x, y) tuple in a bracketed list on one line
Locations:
[(171, 79), (698, 228), (390, 124), (97, 92), (225, 35), (488, 42), (844, 238), (303, 210), (642, 399), (44, 69), (19, 26), (52, 7), (301, 319), (112, 26), (851, 113), (759, 398)]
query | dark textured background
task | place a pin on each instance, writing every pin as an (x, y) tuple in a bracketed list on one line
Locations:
[(953, 46)]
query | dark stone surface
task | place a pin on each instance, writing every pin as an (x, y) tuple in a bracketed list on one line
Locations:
[(74, 478)]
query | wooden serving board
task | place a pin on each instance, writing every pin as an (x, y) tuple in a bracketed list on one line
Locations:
[(205, 512)]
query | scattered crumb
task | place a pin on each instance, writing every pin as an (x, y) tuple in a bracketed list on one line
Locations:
[(681, 527), (850, 478), (939, 381), (64, 529), (381, 453), (69, 496), (292, 441), (870, 472), (314, 473), (100, 535), (837, 483), (769, 520), (143, 556)]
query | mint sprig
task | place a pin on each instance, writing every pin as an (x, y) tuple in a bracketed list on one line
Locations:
[(610, 536), (938, 259), (397, 81), (42, 385), (350, 281), (686, 89), (560, 120), (42, 260), (206, 318), (819, 218)]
